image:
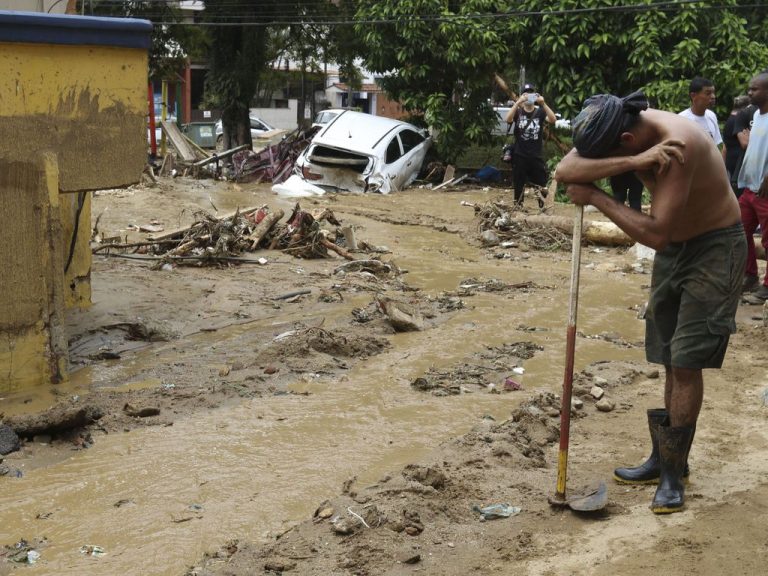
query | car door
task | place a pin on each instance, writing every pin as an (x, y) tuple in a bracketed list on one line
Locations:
[(413, 150), (394, 162)]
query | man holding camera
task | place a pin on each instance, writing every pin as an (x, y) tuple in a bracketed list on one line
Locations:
[(527, 116)]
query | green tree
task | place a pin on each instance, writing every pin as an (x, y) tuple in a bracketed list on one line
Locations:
[(610, 47), (437, 56), (437, 60)]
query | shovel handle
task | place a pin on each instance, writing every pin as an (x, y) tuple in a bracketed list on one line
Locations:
[(570, 347)]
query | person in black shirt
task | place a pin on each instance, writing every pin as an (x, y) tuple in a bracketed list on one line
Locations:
[(628, 186), (528, 115), (733, 151)]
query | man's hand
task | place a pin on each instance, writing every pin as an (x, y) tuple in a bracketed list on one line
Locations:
[(658, 157), (581, 194)]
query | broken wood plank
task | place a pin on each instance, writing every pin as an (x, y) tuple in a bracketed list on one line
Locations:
[(450, 172), (451, 182), (263, 227), (178, 141)]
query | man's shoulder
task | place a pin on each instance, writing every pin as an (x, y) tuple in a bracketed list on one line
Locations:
[(711, 115), (686, 113)]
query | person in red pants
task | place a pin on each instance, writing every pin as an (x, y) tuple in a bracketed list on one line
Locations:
[(753, 178)]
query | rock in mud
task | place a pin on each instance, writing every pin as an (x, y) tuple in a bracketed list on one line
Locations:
[(408, 557), (605, 405), (9, 441), (346, 526), (489, 238), (596, 392), (279, 565), (425, 475), (57, 419), (141, 411)]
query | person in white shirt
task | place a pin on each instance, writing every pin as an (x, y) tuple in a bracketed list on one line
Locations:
[(702, 94)]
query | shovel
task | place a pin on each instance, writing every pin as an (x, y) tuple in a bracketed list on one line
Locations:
[(595, 498)]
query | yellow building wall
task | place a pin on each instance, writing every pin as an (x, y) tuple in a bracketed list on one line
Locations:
[(72, 120)]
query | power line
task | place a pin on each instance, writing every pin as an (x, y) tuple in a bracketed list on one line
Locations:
[(232, 18)]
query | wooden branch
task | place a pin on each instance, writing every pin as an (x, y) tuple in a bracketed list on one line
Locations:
[(182, 231), (219, 156), (263, 227), (338, 249)]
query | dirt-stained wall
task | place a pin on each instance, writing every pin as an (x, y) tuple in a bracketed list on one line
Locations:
[(87, 104), (72, 119), (32, 343)]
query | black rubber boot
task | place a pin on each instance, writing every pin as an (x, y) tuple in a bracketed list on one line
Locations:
[(673, 451), (648, 472)]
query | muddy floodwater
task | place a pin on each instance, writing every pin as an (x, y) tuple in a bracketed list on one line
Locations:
[(157, 497)]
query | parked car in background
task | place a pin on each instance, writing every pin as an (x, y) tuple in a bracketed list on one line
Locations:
[(358, 152), (258, 127)]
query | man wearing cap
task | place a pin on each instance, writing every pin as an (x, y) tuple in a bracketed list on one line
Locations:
[(528, 115), (695, 226)]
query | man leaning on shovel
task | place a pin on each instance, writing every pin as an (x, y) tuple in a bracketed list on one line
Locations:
[(695, 227)]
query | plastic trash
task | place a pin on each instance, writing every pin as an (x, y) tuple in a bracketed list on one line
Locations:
[(510, 384), (91, 550), (488, 174), (296, 187), (494, 511)]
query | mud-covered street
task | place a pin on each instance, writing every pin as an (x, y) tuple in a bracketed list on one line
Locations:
[(266, 418)]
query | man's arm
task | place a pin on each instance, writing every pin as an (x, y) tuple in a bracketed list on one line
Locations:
[(574, 168), (670, 196), (743, 138), (551, 118), (513, 111)]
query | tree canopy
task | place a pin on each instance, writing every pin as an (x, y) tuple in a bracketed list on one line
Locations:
[(438, 56)]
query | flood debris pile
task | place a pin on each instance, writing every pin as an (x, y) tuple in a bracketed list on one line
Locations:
[(494, 369), (499, 225), (274, 163), (211, 240)]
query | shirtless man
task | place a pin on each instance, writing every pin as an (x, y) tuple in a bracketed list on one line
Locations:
[(695, 226)]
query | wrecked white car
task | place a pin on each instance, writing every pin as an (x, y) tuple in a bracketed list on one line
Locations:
[(358, 152)]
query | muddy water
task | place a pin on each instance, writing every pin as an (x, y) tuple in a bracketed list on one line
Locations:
[(252, 470)]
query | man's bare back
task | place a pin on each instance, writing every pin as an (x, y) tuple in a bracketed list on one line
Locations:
[(711, 204)]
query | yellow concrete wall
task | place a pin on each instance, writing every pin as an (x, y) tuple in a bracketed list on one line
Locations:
[(32, 343), (72, 120), (87, 104)]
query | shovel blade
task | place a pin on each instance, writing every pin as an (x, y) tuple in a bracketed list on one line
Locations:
[(591, 500)]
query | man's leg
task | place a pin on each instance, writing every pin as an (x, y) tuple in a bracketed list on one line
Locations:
[(685, 396), (750, 222), (519, 176), (760, 206), (684, 392)]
